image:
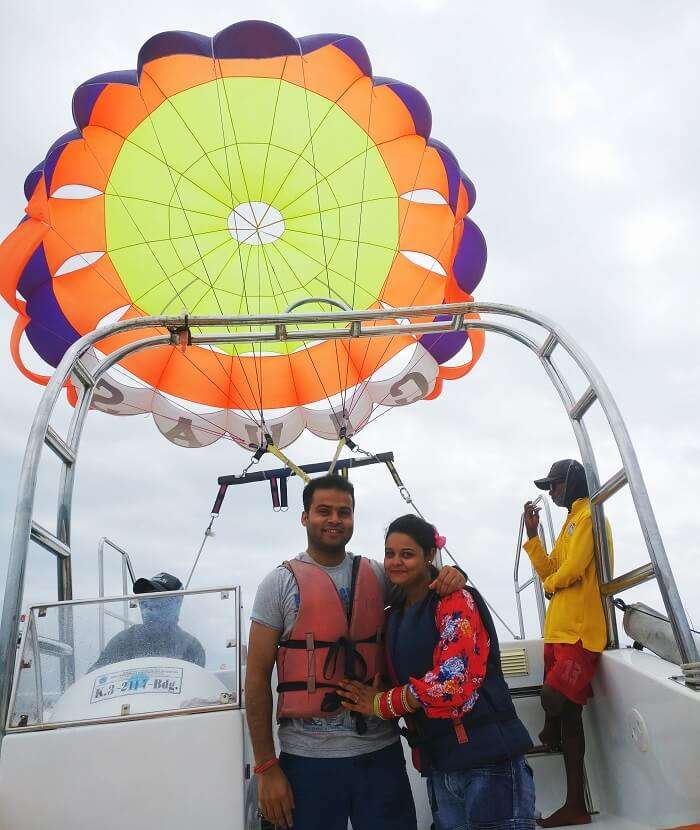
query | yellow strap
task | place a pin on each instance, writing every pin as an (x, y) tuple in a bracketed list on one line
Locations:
[(338, 450), (271, 448)]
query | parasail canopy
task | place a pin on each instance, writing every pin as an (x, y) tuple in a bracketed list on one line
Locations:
[(237, 175)]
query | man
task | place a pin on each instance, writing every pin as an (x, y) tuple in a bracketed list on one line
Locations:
[(159, 635), (575, 632), (320, 617)]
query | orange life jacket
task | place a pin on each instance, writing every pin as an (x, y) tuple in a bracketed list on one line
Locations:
[(326, 644)]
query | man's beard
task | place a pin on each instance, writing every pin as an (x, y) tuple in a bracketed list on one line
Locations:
[(328, 546)]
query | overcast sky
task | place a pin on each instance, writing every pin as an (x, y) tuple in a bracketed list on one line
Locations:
[(578, 124)]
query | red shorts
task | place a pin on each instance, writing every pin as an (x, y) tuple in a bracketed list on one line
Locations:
[(569, 668)]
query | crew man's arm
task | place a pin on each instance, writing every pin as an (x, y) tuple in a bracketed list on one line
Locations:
[(274, 792), (541, 562), (578, 558)]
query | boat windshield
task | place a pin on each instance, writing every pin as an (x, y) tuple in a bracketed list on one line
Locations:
[(127, 657)]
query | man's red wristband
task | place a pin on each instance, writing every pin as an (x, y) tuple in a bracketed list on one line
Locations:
[(265, 766)]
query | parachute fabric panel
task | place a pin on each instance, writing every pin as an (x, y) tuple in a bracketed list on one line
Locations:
[(237, 175)]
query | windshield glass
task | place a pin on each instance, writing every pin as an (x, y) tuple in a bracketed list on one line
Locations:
[(107, 658)]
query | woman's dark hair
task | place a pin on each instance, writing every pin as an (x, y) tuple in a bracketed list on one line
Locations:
[(422, 532)]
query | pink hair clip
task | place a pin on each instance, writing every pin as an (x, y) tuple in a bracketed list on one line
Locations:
[(440, 541)]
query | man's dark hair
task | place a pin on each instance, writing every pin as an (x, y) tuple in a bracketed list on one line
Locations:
[(331, 482), (422, 532)]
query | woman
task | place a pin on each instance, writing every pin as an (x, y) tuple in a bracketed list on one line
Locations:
[(444, 662)]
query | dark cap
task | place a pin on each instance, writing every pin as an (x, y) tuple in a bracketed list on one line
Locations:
[(560, 471), (159, 582)]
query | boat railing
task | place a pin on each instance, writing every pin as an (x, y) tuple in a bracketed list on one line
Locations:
[(127, 572), (183, 330), (534, 579)]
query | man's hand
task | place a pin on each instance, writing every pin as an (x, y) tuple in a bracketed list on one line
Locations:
[(532, 519), (448, 581), (275, 797), (358, 697)]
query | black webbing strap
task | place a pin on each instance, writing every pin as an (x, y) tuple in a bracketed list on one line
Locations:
[(284, 504), (275, 491), (219, 500), (373, 638), (300, 686)]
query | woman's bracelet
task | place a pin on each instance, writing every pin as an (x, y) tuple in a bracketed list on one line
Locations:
[(392, 704), (265, 766)]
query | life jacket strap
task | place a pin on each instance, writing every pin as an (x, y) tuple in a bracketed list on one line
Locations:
[(311, 664), (460, 731)]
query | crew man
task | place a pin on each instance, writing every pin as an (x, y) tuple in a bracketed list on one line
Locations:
[(159, 635), (575, 631)]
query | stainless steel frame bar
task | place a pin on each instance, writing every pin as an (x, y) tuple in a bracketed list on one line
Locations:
[(611, 486), (127, 571), (534, 579), (178, 329), (628, 580)]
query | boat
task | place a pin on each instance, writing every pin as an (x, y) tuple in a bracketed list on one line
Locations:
[(160, 742)]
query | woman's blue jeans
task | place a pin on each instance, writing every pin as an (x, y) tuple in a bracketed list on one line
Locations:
[(493, 797)]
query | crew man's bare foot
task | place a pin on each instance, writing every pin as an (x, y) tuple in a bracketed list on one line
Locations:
[(550, 736), (565, 817)]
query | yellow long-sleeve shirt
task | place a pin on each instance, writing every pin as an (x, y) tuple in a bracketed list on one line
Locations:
[(575, 611)]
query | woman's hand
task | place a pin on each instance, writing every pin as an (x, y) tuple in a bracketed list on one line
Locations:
[(358, 697)]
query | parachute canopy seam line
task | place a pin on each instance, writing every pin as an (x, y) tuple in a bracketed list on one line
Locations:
[(146, 151), (320, 216), (177, 193), (363, 386), (257, 222), (360, 390), (308, 353), (219, 84), (299, 155), (186, 269), (222, 83), (406, 496), (194, 136), (136, 225), (269, 141), (128, 141), (357, 247), (270, 264)]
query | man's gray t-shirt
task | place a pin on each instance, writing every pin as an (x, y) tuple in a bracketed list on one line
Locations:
[(276, 606)]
